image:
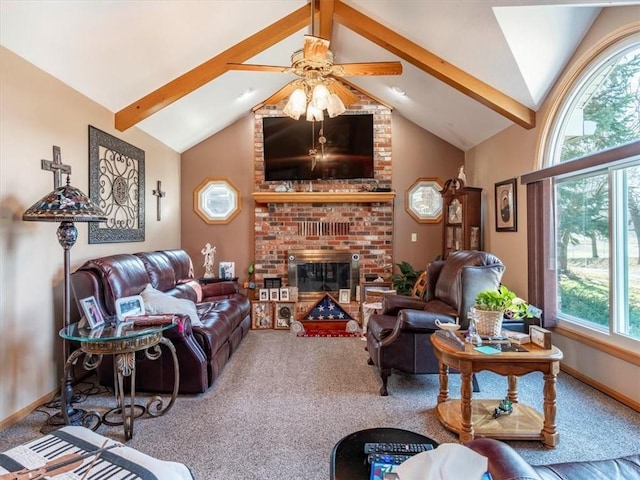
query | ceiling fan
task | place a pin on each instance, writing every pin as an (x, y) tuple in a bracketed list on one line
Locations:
[(318, 87)]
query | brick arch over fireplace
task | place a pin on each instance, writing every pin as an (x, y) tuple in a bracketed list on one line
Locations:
[(365, 229)]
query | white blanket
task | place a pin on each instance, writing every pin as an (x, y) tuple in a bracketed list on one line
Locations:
[(121, 462)]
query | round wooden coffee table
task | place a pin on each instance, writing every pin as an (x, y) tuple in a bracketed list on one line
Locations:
[(348, 461)]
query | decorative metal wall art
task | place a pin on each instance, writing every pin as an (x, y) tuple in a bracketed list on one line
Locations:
[(116, 184)]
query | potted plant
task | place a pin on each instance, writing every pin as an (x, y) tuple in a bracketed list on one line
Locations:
[(490, 308), (404, 281)]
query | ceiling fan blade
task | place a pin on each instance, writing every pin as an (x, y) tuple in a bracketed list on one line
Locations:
[(371, 68), (346, 95), (315, 48), (257, 68)]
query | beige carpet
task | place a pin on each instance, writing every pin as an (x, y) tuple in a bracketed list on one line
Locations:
[(283, 402)]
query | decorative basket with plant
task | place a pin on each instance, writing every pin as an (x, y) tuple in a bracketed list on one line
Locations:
[(492, 305)]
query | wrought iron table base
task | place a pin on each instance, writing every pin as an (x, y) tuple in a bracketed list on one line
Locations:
[(124, 351)]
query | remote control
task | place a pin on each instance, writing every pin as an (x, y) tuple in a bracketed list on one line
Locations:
[(397, 448), (390, 458)]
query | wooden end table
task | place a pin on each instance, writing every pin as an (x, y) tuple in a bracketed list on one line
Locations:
[(470, 419)]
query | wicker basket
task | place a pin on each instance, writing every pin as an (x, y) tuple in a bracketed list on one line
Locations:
[(488, 323)]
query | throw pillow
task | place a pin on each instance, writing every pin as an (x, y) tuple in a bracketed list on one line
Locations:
[(156, 301)]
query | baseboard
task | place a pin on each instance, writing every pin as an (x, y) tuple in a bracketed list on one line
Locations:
[(602, 388), (26, 411)]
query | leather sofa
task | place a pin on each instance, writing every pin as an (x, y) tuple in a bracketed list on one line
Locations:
[(506, 464), (202, 350), (399, 337)]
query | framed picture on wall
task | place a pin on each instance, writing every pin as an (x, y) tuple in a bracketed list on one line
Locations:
[(506, 206)]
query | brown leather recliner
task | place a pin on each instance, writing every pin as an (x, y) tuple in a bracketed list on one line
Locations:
[(399, 337)]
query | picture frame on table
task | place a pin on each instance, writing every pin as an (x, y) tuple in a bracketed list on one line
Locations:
[(284, 294), (274, 294), (261, 315), (284, 315), (227, 270), (506, 206), (127, 306), (92, 312), (344, 295), (263, 294)]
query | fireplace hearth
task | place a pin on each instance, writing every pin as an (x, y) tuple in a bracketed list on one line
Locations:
[(316, 272)]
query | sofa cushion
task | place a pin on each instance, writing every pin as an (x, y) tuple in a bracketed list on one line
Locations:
[(160, 270), (156, 301)]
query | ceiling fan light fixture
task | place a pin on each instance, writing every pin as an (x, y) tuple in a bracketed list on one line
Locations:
[(314, 114), (297, 104), (335, 106), (320, 99)]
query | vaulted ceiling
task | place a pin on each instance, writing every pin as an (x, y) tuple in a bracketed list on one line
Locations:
[(470, 68)]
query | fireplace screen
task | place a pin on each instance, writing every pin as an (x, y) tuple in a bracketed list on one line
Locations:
[(323, 271)]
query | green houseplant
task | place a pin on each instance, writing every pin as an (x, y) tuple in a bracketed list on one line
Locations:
[(404, 281), (492, 305)]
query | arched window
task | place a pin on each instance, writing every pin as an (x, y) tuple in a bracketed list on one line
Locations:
[(588, 250)]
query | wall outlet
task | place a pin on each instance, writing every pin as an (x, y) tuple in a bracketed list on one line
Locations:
[(414, 237)]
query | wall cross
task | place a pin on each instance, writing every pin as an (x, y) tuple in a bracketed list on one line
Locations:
[(56, 166), (159, 194)]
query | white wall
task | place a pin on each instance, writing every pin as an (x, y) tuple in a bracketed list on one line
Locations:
[(37, 112), (513, 152)]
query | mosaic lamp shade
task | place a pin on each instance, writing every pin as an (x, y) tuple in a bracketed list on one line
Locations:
[(64, 204)]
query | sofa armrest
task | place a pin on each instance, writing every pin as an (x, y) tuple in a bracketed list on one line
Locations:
[(212, 291), (419, 321), (392, 304), (504, 462)]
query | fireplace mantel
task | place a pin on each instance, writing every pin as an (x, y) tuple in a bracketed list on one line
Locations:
[(323, 197)]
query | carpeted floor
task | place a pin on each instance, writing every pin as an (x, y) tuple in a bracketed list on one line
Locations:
[(282, 403)]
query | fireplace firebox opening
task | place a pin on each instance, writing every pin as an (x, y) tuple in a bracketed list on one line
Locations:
[(315, 272)]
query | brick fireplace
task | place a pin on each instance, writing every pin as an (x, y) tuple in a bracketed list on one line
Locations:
[(364, 228)]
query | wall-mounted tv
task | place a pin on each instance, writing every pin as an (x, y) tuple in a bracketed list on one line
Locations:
[(348, 151)]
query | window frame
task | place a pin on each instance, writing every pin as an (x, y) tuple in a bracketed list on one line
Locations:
[(541, 185)]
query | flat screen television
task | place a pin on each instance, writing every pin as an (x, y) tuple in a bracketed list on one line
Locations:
[(348, 151)]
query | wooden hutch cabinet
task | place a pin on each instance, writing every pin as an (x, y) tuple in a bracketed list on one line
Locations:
[(462, 213)]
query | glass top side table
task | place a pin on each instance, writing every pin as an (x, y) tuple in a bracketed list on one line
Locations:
[(122, 341)]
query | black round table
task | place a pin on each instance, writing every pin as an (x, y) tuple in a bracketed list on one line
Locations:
[(348, 461)]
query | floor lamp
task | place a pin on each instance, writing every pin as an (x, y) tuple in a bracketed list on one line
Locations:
[(65, 204)]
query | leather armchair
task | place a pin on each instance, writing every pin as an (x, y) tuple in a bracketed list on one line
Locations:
[(399, 337)]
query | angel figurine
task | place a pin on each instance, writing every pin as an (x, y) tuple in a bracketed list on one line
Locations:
[(209, 254)]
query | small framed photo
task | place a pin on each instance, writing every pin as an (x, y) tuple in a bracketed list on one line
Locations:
[(274, 294), (92, 312), (506, 206), (127, 306), (284, 294), (285, 315), (263, 294), (227, 270), (261, 316), (344, 295)]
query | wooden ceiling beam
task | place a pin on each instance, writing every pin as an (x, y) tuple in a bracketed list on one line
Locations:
[(326, 18), (434, 65), (211, 69)]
